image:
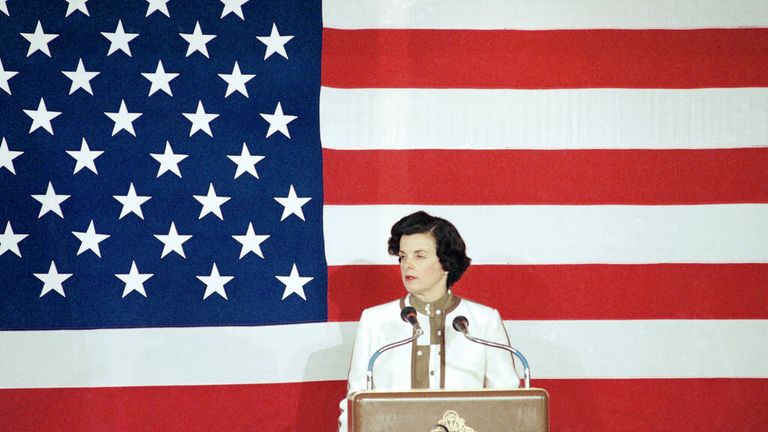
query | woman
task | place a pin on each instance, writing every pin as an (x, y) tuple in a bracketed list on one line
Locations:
[(432, 258)]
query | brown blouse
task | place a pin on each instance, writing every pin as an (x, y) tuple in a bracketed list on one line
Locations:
[(421, 354)]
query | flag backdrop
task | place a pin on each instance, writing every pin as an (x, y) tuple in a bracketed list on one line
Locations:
[(195, 198)]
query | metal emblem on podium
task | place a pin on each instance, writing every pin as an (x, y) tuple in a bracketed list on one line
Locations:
[(451, 422)]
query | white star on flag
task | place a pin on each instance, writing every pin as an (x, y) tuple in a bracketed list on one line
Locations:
[(41, 117), (81, 78), (119, 39), (9, 240), (214, 283), (233, 6), (131, 202), (274, 42), (173, 241), (197, 40), (160, 79), (89, 240), (250, 241), (200, 120), (158, 6), (39, 40), (50, 201), (7, 156), (211, 202), (85, 157), (294, 284), (4, 7), (292, 204), (123, 119), (246, 163), (134, 281), (236, 81), (278, 122), (169, 161), (53, 280), (77, 5), (5, 76)]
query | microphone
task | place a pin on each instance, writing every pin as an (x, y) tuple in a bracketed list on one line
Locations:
[(461, 325), (408, 314)]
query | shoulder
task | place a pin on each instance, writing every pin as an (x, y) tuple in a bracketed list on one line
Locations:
[(484, 321), (477, 313), (476, 308), (389, 310)]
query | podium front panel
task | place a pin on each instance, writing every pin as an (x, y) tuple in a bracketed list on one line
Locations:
[(523, 410)]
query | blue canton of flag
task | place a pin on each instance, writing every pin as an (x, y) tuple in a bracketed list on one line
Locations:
[(160, 164)]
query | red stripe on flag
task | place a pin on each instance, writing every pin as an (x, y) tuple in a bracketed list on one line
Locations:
[(657, 404), (546, 176), (575, 292), (545, 58), (265, 407), (575, 405)]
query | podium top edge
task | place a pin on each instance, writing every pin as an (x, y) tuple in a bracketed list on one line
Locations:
[(449, 393)]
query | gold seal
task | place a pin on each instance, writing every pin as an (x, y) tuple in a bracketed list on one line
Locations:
[(451, 422)]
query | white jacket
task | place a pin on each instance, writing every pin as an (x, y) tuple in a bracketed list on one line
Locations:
[(468, 365)]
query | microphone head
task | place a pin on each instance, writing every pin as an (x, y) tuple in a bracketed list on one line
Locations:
[(461, 324), (408, 314)]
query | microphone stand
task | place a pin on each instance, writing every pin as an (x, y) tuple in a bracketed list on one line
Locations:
[(369, 372), (518, 354), (461, 325)]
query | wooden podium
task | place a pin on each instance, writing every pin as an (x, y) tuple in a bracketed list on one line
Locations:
[(518, 410)]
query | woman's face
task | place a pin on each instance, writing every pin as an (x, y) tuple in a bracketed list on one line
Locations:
[(420, 268)]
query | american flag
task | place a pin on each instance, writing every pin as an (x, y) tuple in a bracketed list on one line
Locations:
[(193, 215), (160, 181)]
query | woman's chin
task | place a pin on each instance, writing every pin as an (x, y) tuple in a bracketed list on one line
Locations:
[(412, 288)]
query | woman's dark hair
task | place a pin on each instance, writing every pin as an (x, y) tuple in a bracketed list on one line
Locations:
[(451, 250)]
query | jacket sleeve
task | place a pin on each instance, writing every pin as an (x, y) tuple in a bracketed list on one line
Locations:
[(358, 365), (500, 366)]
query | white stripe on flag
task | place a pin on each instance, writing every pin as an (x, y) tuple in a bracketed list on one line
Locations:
[(553, 234), (643, 349), (175, 356), (543, 119), (318, 352), (550, 14)]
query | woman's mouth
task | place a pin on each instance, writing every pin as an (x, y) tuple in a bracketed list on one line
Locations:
[(410, 278)]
